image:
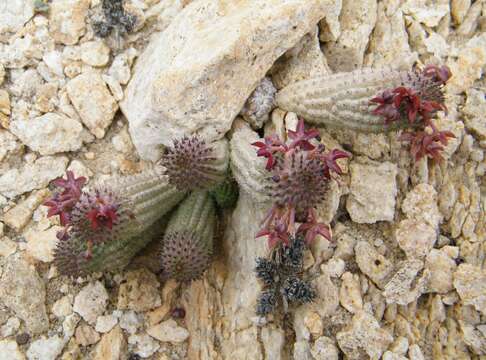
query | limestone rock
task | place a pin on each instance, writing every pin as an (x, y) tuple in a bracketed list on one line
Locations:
[(41, 244), (49, 134), (273, 340), (416, 238), (402, 288), (470, 284), (14, 14), (363, 336), (105, 323), (143, 345), (140, 292), (63, 307), (20, 215), (373, 190), (10, 350), (357, 21), (7, 246), (130, 321), (441, 268), (113, 346), (67, 20), (22, 290), (93, 102), (302, 350), (32, 176), (350, 293), (86, 335), (459, 10), (45, 348), (474, 111), (9, 146), (421, 204), (428, 15), (168, 331), (324, 348), (374, 265), (185, 88), (91, 301), (95, 53)]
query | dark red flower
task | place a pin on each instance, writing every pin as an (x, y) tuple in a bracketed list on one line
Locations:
[(103, 215), (269, 148), (386, 106), (330, 164), (311, 228), (407, 99), (301, 137), (424, 144), (438, 74)]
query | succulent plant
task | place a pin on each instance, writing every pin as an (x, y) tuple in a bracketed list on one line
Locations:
[(282, 278), (260, 103), (192, 164), (376, 100), (225, 193), (300, 173), (115, 18), (105, 227), (187, 245)]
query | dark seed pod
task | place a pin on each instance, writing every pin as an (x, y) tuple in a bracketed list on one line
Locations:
[(296, 290), (266, 271), (266, 302)]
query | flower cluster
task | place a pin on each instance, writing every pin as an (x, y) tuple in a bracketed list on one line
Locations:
[(116, 18), (281, 278), (416, 103), (94, 212), (300, 174)]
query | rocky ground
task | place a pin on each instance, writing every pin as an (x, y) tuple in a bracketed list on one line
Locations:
[(404, 276)]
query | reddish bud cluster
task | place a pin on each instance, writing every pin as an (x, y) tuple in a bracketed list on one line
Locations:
[(417, 103), (301, 172)]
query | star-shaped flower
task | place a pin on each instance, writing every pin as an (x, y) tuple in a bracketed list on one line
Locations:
[(311, 228), (301, 138), (271, 145)]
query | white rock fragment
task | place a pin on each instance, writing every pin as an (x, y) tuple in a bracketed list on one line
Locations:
[(69, 325), (67, 20), (441, 267), (374, 265), (93, 102), (144, 345), (130, 321), (350, 293), (14, 14), (273, 340), (402, 289), (49, 134), (324, 348), (86, 335), (10, 350), (421, 204), (80, 169), (23, 291), (95, 53), (470, 284), (63, 307), (46, 348), (41, 244), (474, 111), (9, 146), (91, 302), (140, 292), (415, 353), (32, 176), (105, 323), (7, 246), (168, 331), (363, 335), (429, 16), (415, 238), (373, 191), (122, 142), (113, 346), (10, 327), (20, 215), (180, 70)]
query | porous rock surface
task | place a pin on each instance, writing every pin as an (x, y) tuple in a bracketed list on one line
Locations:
[(403, 277)]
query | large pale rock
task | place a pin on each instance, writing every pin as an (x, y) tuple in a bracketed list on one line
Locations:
[(22, 290), (140, 292), (20, 215), (416, 238), (91, 302), (14, 14), (363, 336), (402, 288), (374, 265), (9, 146), (441, 268), (10, 350), (470, 284), (67, 20), (373, 191), (113, 346), (50, 133), (357, 20), (93, 102), (421, 204), (32, 176), (41, 244), (197, 74), (474, 111), (168, 331), (46, 348)]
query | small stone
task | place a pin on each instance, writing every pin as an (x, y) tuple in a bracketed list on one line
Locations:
[(335, 267), (144, 345), (120, 69), (14, 14), (79, 169), (168, 331), (441, 268), (421, 204), (93, 102), (105, 323), (63, 307), (324, 348), (69, 325), (10, 327), (416, 238), (430, 16), (373, 190), (363, 336), (470, 284), (9, 146), (474, 109), (313, 322), (140, 292), (4, 102), (113, 346), (86, 335), (41, 244), (399, 289), (67, 20), (10, 350), (374, 265), (91, 302), (95, 53), (7, 246), (49, 134), (130, 321), (20, 215), (23, 291), (32, 176), (350, 293), (46, 348)]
